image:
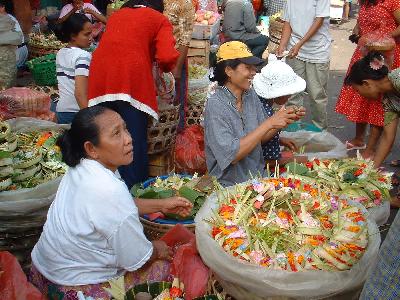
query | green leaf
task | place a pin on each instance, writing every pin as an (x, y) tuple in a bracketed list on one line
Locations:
[(299, 169), (190, 194), (4, 154)]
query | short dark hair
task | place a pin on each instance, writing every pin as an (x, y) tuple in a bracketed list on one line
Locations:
[(157, 5), (72, 26), (2, 3), (369, 2), (361, 70), (83, 129), (219, 70)]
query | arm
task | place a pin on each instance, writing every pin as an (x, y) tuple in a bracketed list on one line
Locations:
[(96, 14), (65, 15), (176, 205), (310, 33), (183, 51), (286, 32), (81, 90), (396, 32), (165, 53), (249, 18), (386, 144)]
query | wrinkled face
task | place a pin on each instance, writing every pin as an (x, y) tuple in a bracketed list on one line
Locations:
[(115, 143), (84, 38), (282, 100), (242, 76), (368, 89)]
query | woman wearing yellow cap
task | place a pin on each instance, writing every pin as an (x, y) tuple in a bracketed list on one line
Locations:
[(235, 123)]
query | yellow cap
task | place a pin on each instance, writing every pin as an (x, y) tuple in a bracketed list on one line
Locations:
[(237, 50)]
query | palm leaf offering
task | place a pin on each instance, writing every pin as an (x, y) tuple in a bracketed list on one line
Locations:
[(356, 178), (287, 224), (28, 159), (195, 189)]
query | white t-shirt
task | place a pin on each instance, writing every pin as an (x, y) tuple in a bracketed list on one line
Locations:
[(92, 233), (71, 62), (301, 15), (67, 8)]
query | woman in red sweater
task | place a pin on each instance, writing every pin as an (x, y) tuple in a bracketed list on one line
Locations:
[(120, 75)]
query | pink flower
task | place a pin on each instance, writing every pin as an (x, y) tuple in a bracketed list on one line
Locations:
[(376, 63)]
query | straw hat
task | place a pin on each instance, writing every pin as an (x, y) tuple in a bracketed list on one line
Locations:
[(277, 79)]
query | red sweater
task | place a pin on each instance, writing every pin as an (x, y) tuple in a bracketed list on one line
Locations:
[(121, 67)]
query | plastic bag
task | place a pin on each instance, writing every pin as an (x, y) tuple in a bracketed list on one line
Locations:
[(25, 208), (31, 103), (198, 87), (189, 151), (248, 281), (13, 282), (187, 264), (380, 214), (322, 145), (378, 41), (165, 86)]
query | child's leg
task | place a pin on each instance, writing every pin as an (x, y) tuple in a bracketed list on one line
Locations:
[(388, 136)]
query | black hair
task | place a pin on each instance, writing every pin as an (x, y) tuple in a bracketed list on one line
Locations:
[(157, 5), (2, 3), (361, 70), (83, 129), (369, 2), (219, 70), (72, 26)]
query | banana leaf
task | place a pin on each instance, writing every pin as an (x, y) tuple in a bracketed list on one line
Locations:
[(297, 169), (5, 154)]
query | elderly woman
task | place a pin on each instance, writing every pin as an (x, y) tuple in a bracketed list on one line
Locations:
[(93, 233), (235, 122)]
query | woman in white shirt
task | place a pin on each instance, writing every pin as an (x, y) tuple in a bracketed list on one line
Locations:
[(78, 6), (93, 233)]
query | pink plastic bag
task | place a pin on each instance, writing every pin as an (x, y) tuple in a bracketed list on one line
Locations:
[(378, 41), (187, 264), (13, 282), (24, 102), (189, 151)]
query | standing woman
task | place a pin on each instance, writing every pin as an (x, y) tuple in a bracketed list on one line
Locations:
[(375, 16), (121, 72)]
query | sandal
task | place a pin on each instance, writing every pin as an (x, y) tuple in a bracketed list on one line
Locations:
[(350, 146), (395, 163)]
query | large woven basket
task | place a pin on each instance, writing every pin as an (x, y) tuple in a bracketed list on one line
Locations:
[(276, 27), (155, 231), (37, 51), (161, 135), (194, 114)]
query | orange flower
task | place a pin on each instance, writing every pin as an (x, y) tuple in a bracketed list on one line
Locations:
[(358, 172), (43, 138), (353, 228), (316, 205), (291, 259), (377, 194), (300, 259)]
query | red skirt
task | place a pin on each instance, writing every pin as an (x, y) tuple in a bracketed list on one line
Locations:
[(357, 108)]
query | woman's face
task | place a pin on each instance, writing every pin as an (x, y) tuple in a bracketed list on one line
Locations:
[(115, 143), (84, 38), (368, 89), (242, 76), (77, 3)]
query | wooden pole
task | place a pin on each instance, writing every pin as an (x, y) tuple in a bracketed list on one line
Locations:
[(23, 13)]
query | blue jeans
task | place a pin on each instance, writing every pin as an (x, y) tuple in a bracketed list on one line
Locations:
[(65, 117), (136, 123)]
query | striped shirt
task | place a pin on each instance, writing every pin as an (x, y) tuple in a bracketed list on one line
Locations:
[(71, 62)]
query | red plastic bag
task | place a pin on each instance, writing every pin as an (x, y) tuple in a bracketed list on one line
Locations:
[(13, 282), (189, 151), (187, 264)]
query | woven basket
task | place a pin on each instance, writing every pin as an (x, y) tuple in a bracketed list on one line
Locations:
[(161, 135), (43, 69), (37, 51), (276, 27), (194, 114), (154, 231)]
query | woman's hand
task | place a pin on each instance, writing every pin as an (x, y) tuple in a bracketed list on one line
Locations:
[(177, 205), (90, 11), (282, 118), (294, 51), (300, 112), (162, 250), (288, 143)]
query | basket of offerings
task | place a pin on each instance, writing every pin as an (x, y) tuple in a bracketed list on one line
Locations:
[(30, 172), (354, 178), (41, 44), (193, 188), (282, 237)]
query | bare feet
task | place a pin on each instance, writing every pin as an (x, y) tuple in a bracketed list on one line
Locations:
[(368, 154), (355, 144)]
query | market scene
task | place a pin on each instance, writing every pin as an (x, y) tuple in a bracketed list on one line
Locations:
[(199, 149)]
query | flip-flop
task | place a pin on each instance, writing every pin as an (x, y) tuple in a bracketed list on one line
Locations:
[(350, 146), (395, 163)]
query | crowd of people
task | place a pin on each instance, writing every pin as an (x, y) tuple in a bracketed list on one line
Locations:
[(107, 96)]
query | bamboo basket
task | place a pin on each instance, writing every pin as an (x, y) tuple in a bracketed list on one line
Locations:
[(386, 47), (37, 51), (161, 135), (194, 114), (275, 34), (154, 231)]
